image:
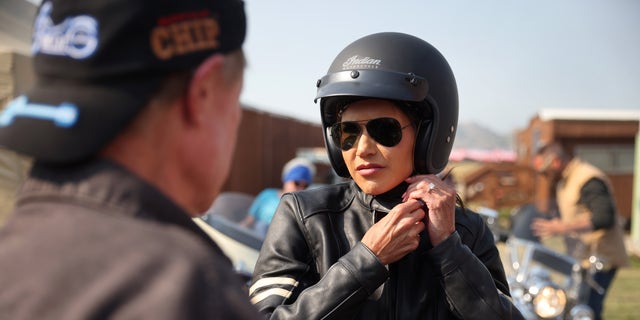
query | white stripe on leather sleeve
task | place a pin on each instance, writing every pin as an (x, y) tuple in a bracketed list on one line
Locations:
[(275, 291), (264, 282)]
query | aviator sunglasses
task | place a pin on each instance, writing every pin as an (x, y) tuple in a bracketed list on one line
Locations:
[(385, 131)]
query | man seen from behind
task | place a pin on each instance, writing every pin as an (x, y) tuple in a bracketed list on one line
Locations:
[(132, 126)]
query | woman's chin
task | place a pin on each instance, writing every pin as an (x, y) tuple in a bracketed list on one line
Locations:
[(374, 187)]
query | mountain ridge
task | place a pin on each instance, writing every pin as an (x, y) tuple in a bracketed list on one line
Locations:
[(472, 135)]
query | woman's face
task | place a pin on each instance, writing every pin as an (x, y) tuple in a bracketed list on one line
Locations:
[(374, 167)]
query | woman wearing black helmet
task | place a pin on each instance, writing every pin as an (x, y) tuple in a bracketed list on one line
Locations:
[(391, 243)]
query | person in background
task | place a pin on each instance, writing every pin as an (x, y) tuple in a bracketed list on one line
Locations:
[(390, 243), (297, 174), (588, 216), (131, 126)]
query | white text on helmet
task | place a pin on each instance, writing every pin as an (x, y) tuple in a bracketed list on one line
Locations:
[(363, 63)]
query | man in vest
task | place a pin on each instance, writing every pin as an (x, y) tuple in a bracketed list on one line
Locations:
[(588, 215)]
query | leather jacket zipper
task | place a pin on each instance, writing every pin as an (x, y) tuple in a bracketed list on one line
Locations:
[(390, 287)]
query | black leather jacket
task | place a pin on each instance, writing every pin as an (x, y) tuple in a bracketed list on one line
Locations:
[(313, 266), (94, 241)]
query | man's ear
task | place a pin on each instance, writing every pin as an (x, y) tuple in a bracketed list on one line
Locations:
[(557, 162), (202, 88), (543, 162)]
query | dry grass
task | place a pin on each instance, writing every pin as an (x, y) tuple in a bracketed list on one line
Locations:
[(623, 299)]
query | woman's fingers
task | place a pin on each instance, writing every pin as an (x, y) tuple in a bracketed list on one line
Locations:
[(439, 199), (398, 233)]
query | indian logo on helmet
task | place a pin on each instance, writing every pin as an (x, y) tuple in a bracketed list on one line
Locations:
[(363, 63)]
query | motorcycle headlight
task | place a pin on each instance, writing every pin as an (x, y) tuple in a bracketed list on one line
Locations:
[(549, 302)]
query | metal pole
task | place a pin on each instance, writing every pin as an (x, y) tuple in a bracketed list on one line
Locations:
[(635, 200)]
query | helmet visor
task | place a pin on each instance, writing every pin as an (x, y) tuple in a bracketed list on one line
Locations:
[(373, 84)]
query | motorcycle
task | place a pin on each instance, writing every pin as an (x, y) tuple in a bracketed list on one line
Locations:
[(544, 283), (240, 244)]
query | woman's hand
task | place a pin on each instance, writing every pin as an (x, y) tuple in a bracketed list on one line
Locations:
[(440, 199), (397, 234)]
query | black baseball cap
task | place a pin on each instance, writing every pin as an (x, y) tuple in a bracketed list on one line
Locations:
[(98, 62)]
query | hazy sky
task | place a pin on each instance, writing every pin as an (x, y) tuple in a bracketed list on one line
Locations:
[(510, 58)]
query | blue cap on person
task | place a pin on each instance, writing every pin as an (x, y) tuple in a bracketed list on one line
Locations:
[(298, 173), (298, 169), (98, 62)]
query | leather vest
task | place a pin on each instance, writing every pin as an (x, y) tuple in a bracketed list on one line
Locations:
[(605, 244)]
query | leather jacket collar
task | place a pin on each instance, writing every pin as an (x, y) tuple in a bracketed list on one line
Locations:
[(383, 202), (104, 184)]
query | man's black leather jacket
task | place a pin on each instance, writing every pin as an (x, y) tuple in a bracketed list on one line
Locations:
[(313, 266)]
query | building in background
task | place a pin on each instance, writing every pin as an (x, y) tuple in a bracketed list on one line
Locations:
[(604, 138), (608, 139)]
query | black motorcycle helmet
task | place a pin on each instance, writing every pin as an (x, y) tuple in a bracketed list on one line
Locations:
[(406, 70)]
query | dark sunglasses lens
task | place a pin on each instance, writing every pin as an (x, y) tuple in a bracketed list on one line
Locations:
[(335, 133), (345, 134), (386, 131)]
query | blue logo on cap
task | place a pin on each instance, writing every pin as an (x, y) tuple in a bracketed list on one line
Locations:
[(64, 115), (75, 37)]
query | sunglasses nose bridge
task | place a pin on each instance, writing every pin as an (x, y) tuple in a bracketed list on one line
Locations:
[(364, 130), (359, 143), (365, 142)]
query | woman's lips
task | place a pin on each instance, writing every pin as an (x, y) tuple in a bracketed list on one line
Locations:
[(368, 169)]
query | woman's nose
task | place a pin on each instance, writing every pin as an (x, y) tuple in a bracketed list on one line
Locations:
[(365, 145)]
